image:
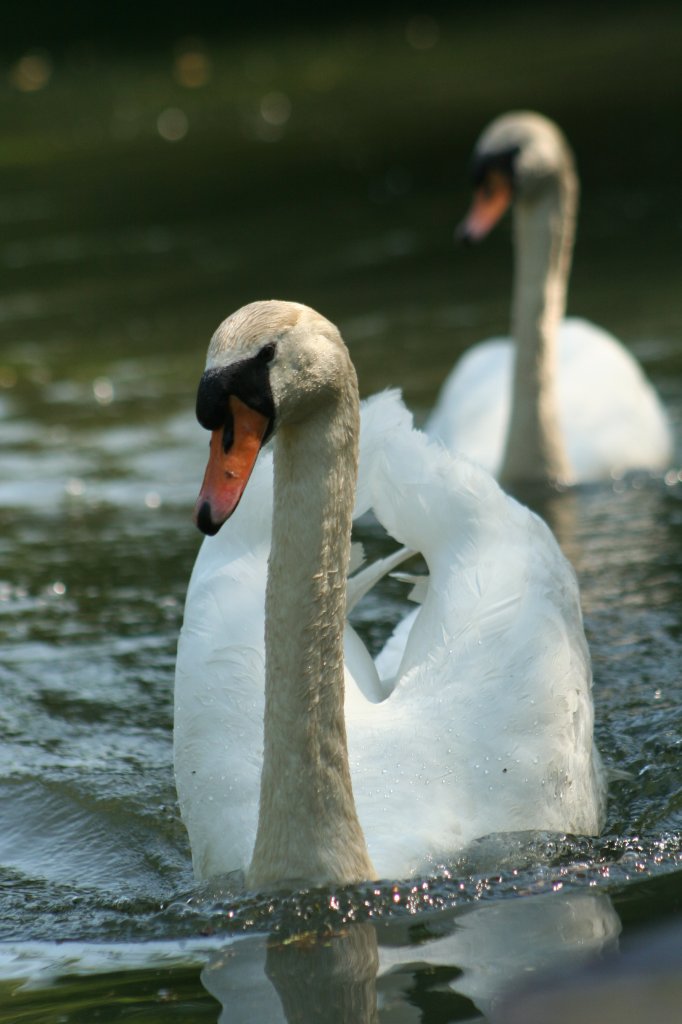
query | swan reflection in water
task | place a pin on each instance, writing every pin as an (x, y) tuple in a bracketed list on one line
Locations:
[(366, 971)]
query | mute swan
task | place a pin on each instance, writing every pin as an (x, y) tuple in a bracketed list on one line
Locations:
[(487, 725), (567, 404)]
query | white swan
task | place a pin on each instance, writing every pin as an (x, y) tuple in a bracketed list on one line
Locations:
[(567, 403), (487, 725)]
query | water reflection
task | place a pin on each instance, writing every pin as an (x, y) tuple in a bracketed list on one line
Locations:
[(367, 973), (641, 986), (318, 981)]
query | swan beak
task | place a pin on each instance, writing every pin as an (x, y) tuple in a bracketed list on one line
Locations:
[(491, 201), (232, 456)]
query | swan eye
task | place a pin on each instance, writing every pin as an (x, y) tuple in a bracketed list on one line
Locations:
[(246, 379), (494, 182), (502, 163)]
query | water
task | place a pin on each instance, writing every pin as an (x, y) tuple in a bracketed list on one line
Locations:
[(121, 250)]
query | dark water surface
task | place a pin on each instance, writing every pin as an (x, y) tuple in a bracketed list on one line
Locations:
[(141, 201)]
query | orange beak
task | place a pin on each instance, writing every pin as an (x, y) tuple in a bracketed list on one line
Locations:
[(228, 472), (491, 200)]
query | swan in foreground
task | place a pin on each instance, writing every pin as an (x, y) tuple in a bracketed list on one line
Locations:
[(566, 403), (477, 717)]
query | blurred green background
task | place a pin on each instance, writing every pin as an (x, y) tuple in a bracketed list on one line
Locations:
[(159, 168)]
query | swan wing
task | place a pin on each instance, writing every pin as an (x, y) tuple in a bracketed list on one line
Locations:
[(489, 725), (219, 702)]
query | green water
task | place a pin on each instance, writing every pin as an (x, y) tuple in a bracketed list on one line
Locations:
[(136, 213)]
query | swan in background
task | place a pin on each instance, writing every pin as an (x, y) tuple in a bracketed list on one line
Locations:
[(295, 768), (563, 403)]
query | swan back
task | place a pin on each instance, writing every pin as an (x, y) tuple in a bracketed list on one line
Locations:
[(611, 418)]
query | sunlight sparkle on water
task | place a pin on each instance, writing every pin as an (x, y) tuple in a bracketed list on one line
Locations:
[(31, 73), (172, 124), (192, 68), (74, 487), (103, 390), (275, 108)]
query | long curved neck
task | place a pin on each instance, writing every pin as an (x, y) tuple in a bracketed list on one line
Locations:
[(308, 828), (543, 245)]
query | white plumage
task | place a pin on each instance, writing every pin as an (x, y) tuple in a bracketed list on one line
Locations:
[(561, 401), (488, 722), (610, 416)]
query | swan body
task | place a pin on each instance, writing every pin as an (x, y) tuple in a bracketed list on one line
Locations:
[(563, 402), (603, 439), (476, 718)]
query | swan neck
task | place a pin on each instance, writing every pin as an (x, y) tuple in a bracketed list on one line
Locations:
[(308, 828), (543, 244)]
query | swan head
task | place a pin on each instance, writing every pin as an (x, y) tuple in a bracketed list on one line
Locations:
[(517, 158), (270, 365)]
